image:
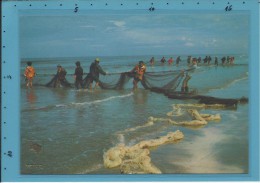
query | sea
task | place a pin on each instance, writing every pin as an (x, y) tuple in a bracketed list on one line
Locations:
[(67, 131)]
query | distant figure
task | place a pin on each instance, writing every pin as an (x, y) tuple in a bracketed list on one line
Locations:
[(29, 74), (163, 60), (228, 60), (138, 71), (216, 61), (223, 60), (199, 60), (94, 71), (178, 60), (205, 60), (184, 87), (152, 61), (78, 75), (209, 60), (170, 61), (194, 61), (232, 59), (189, 60)]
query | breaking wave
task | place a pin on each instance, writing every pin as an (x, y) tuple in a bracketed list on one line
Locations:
[(100, 101), (73, 104)]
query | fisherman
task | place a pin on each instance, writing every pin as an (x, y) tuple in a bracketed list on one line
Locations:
[(138, 71), (170, 61), (78, 75), (228, 60), (209, 60), (152, 61), (94, 71), (189, 60), (232, 60), (223, 60), (194, 61), (216, 61), (184, 87), (61, 80), (163, 60), (178, 60), (205, 60), (199, 60), (29, 74)]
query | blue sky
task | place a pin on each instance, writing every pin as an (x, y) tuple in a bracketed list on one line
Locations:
[(124, 33)]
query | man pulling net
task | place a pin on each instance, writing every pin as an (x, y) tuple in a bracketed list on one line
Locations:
[(59, 80), (138, 72), (94, 70)]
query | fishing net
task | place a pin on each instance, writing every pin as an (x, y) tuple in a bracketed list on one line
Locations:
[(56, 82), (161, 82)]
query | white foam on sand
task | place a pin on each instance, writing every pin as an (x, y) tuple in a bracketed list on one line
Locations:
[(102, 100), (95, 101)]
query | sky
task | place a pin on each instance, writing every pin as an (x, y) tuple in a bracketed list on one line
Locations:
[(125, 33)]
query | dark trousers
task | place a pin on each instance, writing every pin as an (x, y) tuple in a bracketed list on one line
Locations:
[(78, 82)]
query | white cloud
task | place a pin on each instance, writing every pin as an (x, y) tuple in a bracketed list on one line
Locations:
[(88, 26), (147, 36), (189, 44), (118, 23), (183, 38)]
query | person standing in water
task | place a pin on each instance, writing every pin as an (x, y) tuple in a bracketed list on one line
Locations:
[(184, 87), (232, 60), (138, 71), (152, 61), (163, 60), (78, 75), (94, 70), (170, 61), (223, 60), (29, 74), (199, 60), (216, 61), (209, 60), (178, 60), (61, 77), (189, 60)]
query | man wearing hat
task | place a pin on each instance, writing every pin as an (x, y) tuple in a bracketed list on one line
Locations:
[(94, 70)]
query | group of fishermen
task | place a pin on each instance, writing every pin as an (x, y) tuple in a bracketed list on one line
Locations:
[(163, 61), (195, 61), (207, 60), (93, 76)]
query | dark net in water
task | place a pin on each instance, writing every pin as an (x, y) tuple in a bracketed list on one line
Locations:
[(161, 82), (165, 82)]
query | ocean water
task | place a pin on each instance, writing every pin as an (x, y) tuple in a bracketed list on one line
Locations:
[(65, 131)]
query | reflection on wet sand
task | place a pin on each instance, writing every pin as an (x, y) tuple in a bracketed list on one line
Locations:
[(201, 156), (30, 95), (116, 155)]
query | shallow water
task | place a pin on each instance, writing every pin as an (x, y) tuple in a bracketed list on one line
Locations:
[(64, 131)]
